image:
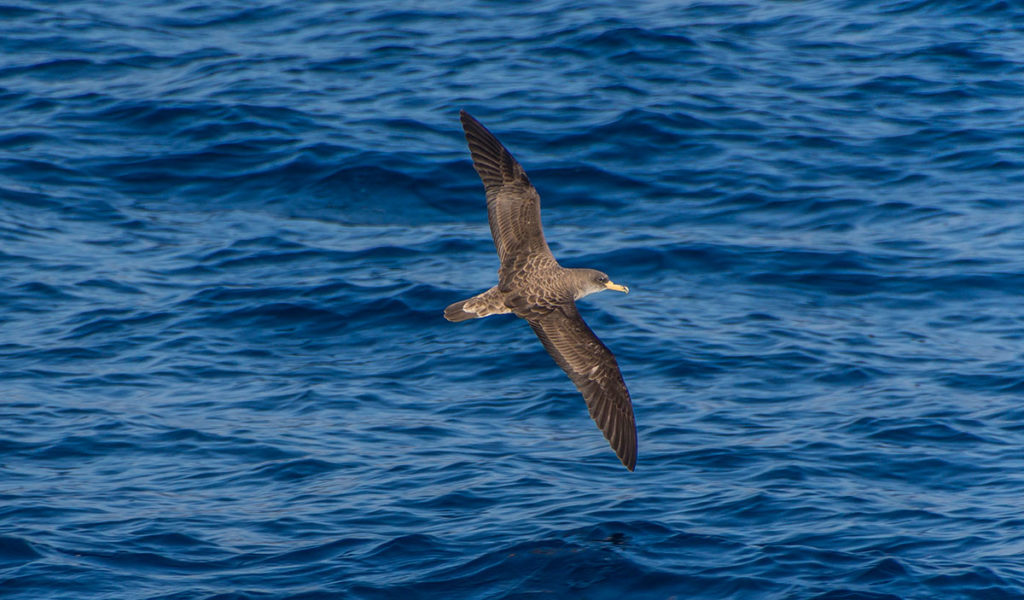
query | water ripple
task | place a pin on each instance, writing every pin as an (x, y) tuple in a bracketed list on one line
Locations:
[(228, 233)]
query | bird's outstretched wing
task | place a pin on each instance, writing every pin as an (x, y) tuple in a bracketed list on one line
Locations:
[(592, 367), (513, 205)]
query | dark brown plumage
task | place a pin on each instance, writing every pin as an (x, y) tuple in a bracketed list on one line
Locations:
[(532, 285)]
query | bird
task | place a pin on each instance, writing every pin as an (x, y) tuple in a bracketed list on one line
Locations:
[(533, 286)]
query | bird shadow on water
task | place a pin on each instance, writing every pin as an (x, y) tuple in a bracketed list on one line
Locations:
[(594, 561)]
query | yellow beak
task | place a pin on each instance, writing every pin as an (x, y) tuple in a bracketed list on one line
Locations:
[(616, 287)]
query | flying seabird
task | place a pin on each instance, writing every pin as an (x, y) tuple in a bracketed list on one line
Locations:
[(532, 285)]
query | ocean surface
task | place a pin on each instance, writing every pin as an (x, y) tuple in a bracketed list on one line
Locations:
[(228, 231)]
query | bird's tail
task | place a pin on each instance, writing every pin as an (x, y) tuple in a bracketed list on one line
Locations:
[(488, 303), (456, 312)]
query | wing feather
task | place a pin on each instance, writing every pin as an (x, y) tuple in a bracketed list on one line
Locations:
[(593, 368), (513, 205)]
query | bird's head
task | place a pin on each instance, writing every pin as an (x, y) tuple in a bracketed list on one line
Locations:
[(592, 280)]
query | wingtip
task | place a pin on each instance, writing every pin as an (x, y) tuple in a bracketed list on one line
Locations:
[(492, 161), (469, 123), (626, 450), (629, 463)]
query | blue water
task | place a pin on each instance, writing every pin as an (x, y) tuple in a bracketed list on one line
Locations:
[(228, 231)]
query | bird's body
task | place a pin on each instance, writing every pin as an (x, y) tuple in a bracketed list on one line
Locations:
[(533, 286)]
